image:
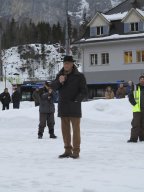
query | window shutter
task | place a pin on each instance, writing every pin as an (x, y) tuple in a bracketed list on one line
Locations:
[(92, 31), (106, 30), (126, 27), (141, 26)]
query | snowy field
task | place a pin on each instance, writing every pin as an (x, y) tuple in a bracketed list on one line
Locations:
[(107, 162)]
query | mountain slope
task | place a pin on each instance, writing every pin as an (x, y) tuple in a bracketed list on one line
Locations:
[(50, 10)]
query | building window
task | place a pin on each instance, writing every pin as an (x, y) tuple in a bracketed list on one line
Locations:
[(92, 31), (128, 57), (93, 59), (140, 56), (99, 30), (134, 26), (105, 58)]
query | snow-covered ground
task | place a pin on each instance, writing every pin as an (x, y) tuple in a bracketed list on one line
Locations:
[(107, 162)]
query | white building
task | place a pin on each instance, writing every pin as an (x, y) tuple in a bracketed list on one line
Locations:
[(112, 48)]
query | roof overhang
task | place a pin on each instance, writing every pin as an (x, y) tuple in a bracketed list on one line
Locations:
[(114, 40)]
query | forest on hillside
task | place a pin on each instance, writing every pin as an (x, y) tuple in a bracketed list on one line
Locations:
[(15, 33)]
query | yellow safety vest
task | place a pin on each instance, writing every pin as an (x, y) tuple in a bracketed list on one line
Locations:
[(136, 108)]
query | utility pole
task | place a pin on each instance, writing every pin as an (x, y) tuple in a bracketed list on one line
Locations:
[(48, 11), (1, 66), (5, 76), (66, 29)]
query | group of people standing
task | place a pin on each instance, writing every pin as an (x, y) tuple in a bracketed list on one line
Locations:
[(6, 99), (121, 92), (72, 88)]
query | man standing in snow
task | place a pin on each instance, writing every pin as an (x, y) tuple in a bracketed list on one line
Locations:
[(16, 97), (5, 99), (136, 98), (72, 88)]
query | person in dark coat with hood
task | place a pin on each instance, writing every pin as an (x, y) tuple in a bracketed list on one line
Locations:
[(136, 98), (5, 99), (72, 88), (46, 111), (16, 98)]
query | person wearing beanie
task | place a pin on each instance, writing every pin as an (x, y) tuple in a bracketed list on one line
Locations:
[(72, 88), (136, 98)]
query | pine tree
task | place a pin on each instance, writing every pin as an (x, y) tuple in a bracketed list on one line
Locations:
[(69, 29), (84, 23)]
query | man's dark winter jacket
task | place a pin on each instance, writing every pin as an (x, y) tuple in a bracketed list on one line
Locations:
[(5, 98), (71, 93), (16, 97), (132, 99), (46, 101)]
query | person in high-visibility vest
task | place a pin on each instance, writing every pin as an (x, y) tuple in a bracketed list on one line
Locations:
[(136, 98)]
